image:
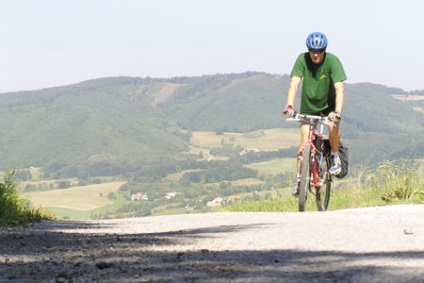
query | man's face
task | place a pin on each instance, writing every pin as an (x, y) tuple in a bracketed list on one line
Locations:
[(317, 55)]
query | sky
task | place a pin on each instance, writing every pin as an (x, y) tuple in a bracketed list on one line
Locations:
[(48, 43)]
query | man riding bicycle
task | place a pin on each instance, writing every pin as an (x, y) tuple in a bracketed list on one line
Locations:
[(322, 94)]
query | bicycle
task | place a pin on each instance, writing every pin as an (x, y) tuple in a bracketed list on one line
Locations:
[(315, 163)]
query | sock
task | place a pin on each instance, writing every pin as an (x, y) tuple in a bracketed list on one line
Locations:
[(334, 154)]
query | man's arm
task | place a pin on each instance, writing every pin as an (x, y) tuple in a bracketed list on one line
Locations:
[(339, 87), (294, 85)]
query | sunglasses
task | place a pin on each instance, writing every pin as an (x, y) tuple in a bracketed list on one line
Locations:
[(318, 51)]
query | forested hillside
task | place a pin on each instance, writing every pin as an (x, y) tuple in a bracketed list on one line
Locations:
[(115, 123)]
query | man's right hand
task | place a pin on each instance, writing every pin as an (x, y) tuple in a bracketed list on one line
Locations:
[(289, 111)]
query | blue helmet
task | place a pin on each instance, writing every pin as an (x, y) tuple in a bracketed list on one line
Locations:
[(316, 41)]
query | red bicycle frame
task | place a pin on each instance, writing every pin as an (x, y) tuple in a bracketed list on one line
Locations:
[(316, 181), (317, 154)]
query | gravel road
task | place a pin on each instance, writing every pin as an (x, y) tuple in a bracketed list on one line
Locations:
[(379, 244)]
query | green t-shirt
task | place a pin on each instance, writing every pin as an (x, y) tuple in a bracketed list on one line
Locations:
[(318, 93)]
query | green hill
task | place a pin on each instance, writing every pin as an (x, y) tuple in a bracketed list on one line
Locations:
[(102, 120), (119, 124)]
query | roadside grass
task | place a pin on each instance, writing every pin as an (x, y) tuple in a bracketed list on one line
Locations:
[(16, 210), (391, 183)]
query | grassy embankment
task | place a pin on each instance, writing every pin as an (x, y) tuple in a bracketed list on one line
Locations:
[(15, 210), (390, 184)]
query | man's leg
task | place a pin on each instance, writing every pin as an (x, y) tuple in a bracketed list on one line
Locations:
[(304, 132), (334, 136)]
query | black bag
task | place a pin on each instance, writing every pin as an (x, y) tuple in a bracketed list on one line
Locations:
[(343, 155), (344, 160)]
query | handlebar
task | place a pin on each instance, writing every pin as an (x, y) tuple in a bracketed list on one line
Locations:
[(301, 117)]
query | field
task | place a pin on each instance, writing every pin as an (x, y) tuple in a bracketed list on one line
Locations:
[(274, 166), (262, 140), (85, 201), (84, 198)]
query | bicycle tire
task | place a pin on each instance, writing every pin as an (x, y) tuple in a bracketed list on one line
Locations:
[(305, 177), (323, 193)]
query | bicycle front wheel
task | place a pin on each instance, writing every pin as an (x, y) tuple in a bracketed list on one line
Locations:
[(305, 177), (323, 193)]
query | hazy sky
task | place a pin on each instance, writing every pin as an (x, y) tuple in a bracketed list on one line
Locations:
[(47, 43)]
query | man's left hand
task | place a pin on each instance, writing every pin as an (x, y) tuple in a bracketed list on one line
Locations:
[(334, 116)]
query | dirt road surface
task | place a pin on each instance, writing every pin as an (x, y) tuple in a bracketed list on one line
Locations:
[(381, 244)]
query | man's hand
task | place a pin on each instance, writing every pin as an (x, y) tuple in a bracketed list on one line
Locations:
[(334, 116), (289, 111)]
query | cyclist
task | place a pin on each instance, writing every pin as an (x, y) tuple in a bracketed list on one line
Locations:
[(322, 94)]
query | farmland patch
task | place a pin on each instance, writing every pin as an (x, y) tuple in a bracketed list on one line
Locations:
[(83, 198)]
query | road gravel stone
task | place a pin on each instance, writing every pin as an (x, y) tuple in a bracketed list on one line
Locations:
[(376, 244)]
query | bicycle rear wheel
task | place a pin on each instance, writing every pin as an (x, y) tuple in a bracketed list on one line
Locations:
[(323, 193), (305, 177)]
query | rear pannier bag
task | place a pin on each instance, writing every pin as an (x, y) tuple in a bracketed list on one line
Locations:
[(343, 155), (344, 160)]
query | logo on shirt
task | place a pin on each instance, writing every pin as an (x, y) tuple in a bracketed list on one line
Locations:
[(323, 77)]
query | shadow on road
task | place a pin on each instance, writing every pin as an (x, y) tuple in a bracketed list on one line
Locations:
[(34, 254)]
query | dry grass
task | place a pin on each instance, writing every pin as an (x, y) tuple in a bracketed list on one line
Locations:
[(82, 198)]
